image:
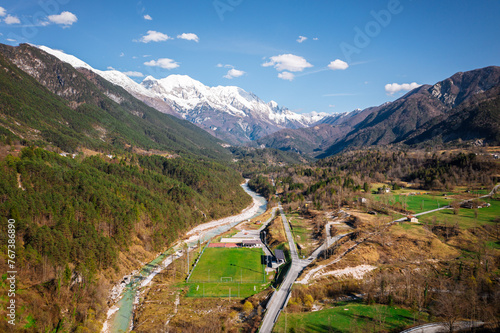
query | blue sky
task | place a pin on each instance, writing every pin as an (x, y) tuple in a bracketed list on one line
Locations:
[(352, 51)]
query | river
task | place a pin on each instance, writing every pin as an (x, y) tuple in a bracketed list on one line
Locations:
[(121, 313)]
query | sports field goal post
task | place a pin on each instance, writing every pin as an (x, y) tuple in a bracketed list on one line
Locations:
[(226, 279)]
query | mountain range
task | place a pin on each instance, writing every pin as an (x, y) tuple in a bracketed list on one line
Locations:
[(228, 112), (56, 98), (48, 102), (463, 107)]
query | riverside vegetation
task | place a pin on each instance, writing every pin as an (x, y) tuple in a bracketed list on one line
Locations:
[(139, 179), (76, 218), (445, 268)]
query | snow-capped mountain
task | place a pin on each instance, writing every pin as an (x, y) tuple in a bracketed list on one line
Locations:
[(186, 94), (228, 112)]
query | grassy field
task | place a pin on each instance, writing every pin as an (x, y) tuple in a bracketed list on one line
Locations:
[(228, 273), (229, 265), (416, 203), (214, 289), (302, 230), (357, 318), (466, 217)]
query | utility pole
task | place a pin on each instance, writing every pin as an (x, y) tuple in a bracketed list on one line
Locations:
[(187, 252)]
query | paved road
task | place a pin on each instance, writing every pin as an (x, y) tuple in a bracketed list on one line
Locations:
[(443, 327), (493, 191), (280, 297)]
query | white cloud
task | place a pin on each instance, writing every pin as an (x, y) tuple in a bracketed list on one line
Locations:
[(163, 63), (338, 64), (189, 36), (12, 19), (301, 39), (148, 17), (393, 88), (134, 57), (133, 74), (122, 54), (225, 66), (331, 106), (146, 55), (315, 38), (65, 18), (220, 65), (288, 62), (11, 40), (3, 12), (232, 73), (286, 76), (154, 36), (111, 68)]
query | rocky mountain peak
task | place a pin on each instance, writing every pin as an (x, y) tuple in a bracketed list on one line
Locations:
[(229, 112), (462, 85)]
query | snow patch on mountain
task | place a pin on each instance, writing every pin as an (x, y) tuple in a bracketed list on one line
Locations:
[(113, 76), (186, 94), (189, 97), (72, 60)]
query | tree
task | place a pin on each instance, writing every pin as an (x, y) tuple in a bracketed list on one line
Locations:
[(247, 307), (456, 207), (449, 306), (308, 301)]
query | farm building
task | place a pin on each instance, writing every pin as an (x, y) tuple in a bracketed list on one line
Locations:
[(237, 239), (474, 204), (412, 219), (280, 256), (251, 243), (383, 190)]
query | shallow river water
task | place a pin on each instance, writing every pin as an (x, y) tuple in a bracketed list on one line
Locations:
[(120, 314)]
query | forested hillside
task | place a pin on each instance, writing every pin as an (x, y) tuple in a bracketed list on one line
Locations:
[(341, 178), (451, 113), (74, 217), (57, 106), (441, 265)]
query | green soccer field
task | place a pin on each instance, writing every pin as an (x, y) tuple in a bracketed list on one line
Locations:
[(230, 265), (218, 289)]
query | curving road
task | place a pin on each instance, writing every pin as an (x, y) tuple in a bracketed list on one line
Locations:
[(443, 327), (280, 297)]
